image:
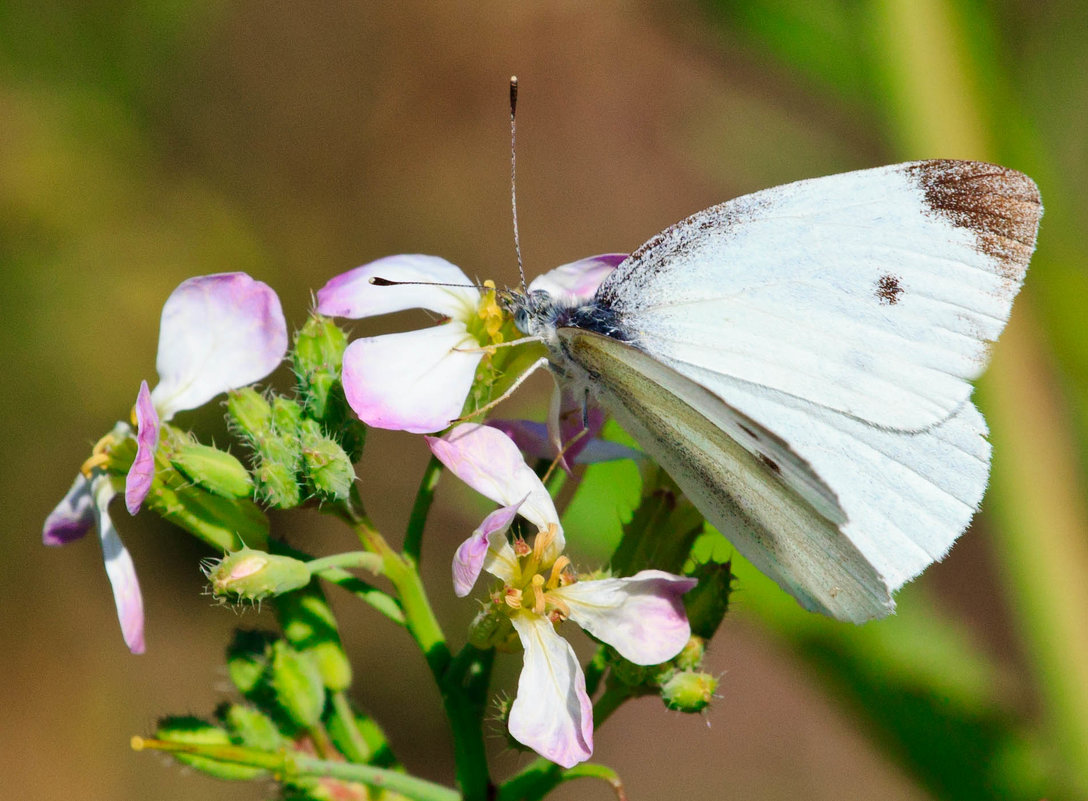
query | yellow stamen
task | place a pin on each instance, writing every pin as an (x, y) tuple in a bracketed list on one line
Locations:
[(491, 313), (555, 579), (99, 455), (543, 540), (538, 594), (513, 597)]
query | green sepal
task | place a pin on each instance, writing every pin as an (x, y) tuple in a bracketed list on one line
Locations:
[(309, 625), (194, 731), (249, 414), (297, 684), (708, 601)]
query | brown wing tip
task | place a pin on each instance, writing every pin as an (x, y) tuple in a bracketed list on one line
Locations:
[(1001, 206)]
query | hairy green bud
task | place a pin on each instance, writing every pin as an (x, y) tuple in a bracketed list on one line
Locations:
[(211, 468), (249, 413), (708, 601), (297, 684), (194, 731), (254, 575), (685, 691), (328, 467)]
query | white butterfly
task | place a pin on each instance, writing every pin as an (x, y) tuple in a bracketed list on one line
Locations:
[(798, 360)]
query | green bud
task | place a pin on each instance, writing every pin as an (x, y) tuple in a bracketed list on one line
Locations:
[(631, 674), (327, 466), (251, 727), (225, 523), (286, 417), (490, 629), (280, 456), (685, 691), (297, 684), (278, 481), (309, 625), (249, 413), (247, 659), (318, 354), (254, 575), (211, 468), (708, 601), (194, 731), (691, 655)]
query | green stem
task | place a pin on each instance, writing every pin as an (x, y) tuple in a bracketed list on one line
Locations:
[(542, 776), (290, 766), (381, 601), (356, 559), (413, 536)]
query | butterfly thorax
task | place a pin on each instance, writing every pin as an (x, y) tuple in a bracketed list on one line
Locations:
[(539, 314)]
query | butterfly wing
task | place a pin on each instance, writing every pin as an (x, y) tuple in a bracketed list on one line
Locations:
[(873, 293), (744, 479)]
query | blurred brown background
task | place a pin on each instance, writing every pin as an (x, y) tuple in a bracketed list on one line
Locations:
[(139, 146)]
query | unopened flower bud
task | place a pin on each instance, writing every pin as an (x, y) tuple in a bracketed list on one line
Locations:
[(318, 355), (247, 659), (251, 727), (253, 575), (211, 468), (686, 691), (250, 413), (310, 626), (225, 523), (194, 731), (327, 465), (297, 684), (691, 656), (490, 629)]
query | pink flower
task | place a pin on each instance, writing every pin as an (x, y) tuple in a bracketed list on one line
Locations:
[(218, 332), (642, 616), (417, 381)]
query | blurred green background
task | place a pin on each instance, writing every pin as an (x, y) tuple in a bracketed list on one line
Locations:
[(141, 143)]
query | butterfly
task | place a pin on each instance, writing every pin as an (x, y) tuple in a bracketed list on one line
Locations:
[(799, 359)]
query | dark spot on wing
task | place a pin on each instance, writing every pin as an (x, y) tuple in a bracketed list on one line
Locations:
[(749, 431), (888, 289), (1000, 206), (770, 463)]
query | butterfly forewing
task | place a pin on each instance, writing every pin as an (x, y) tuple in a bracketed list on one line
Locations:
[(872, 293)]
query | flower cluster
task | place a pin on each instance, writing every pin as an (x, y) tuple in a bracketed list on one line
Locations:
[(218, 332)]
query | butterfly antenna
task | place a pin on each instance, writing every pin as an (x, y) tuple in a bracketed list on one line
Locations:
[(514, 172)]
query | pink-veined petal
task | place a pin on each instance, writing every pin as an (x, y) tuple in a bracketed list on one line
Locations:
[(578, 281), (119, 568), (416, 381), (73, 516), (486, 546), (552, 713), (352, 295), (218, 332), (489, 462), (642, 617), (142, 471)]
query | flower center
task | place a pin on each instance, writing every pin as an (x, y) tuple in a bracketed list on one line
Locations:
[(538, 577)]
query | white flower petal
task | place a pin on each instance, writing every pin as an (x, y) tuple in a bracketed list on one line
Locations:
[(487, 546), (352, 295), (642, 617), (119, 568), (552, 713), (218, 332), (489, 462), (73, 516), (577, 281), (416, 381)]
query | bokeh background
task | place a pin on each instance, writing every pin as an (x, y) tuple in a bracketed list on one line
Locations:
[(141, 143)]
